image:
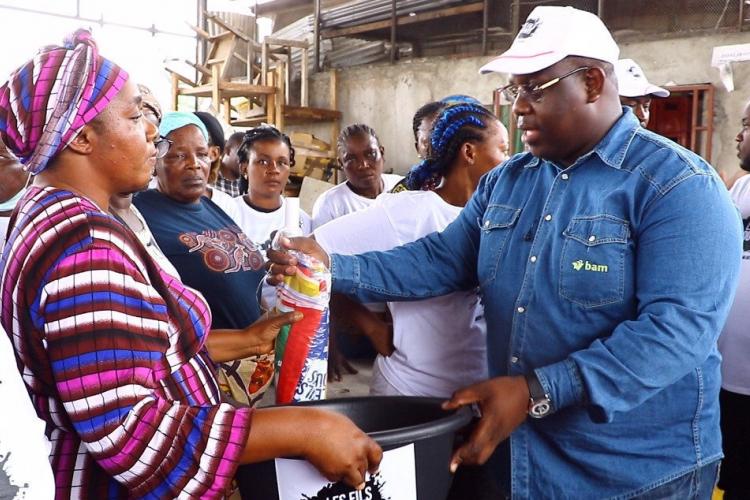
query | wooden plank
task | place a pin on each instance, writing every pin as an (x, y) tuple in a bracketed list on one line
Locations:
[(230, 89), (227, 103), (201, 69), (333, 84), (316, 36), (304, 90), (175, 89), (299, 44), (297, 114), (264, 63), (271, 103), (180, 78), (394, 23), (280, 101), (404, 20), (205, 35), (215, 93), (485, 22), (227, 26)]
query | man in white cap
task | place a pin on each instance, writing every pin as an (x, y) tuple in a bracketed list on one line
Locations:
[(636, 91), (607, 258)]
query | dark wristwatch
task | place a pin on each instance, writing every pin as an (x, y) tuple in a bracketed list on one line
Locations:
[(540, 404)]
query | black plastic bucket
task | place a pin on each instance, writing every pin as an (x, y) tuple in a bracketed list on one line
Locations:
[(392, 421)]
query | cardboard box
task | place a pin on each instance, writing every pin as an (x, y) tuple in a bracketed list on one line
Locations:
[(309, 141)]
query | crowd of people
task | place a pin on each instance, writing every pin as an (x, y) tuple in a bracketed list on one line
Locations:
[(580, 294)]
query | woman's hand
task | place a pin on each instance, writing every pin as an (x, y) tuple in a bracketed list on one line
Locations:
[(330, 441), (340, 450), (258, 338), (281, 263)]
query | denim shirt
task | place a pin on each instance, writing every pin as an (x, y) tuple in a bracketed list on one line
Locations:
[(610, 278)]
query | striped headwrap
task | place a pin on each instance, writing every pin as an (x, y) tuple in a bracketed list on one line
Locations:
[(48, 100)]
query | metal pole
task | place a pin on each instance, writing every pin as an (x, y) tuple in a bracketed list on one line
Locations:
[(600, 9), (316, 37), (741, 23), (515, 17), (485, 22), (393, 31)]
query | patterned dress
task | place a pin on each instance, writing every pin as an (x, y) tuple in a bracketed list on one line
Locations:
[(111, 349)]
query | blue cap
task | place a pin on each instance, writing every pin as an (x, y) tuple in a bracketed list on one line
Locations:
[(178, 119)]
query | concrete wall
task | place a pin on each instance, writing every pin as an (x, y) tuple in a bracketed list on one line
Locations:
[(386, 96)]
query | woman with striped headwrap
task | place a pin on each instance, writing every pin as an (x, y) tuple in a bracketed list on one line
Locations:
[(116, 353)]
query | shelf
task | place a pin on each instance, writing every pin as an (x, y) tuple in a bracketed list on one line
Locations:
[(293, 115), (229, 89)]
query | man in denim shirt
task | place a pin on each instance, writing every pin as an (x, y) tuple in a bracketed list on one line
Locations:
[(607, 258)]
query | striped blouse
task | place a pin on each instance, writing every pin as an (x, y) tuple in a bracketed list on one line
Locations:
[(111, 349)]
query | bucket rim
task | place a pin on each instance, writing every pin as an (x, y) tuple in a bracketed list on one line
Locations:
[(389, 439)]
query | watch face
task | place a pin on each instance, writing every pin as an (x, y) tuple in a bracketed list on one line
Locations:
[(540, 408)]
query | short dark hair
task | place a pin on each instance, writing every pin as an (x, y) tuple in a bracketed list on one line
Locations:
[(235, 138), (215, 130), (427, 110), (354, 130), (261, 133)]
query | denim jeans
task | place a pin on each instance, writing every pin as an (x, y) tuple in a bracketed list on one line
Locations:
[(696, 485)]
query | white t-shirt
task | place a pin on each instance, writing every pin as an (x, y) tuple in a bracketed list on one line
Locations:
[(734, 342), (341, 200), (441, 343), (24, 449), (225, 202), (258, 226)]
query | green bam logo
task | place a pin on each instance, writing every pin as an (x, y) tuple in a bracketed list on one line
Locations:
[(585, 265)]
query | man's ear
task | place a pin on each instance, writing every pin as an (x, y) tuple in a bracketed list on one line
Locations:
[(382, 151), (595, 79), (83, 143)]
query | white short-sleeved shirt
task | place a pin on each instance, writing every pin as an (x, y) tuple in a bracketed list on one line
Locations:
[(225, 202), (734, 342), (341, 200), (441, 343), (258, 225), (24, 449)]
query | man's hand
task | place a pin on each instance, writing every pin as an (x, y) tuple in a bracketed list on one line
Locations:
[(281, 264), (504, 402)]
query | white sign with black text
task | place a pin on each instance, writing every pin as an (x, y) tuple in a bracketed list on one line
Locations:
[(396, 480)]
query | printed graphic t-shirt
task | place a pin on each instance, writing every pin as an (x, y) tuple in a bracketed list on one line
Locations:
[(211, 254), (216, 258)]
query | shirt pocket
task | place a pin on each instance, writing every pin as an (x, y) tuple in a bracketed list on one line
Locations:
[(496, 225), (592, 266)]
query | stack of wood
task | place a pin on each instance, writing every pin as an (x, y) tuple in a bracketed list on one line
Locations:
[(313, 157)]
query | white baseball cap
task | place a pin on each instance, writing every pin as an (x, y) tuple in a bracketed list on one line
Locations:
[(551, 34), (632, 81)]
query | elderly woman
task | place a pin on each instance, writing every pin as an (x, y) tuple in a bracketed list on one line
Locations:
[(116, 354), (209, 250)]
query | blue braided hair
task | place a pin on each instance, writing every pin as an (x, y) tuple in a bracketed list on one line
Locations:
[(454, 126)]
